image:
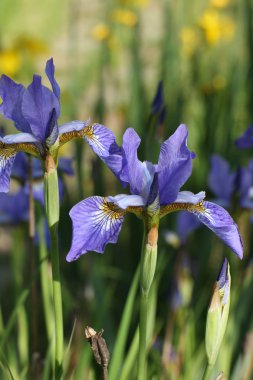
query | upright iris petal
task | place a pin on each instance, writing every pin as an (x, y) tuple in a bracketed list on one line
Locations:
[(154, 193), (174, 165)]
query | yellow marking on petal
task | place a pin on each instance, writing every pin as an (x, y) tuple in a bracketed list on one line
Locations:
[(199, 207), (87, 131), (110, 209), (8, 150)]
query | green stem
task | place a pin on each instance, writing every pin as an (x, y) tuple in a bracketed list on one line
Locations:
[(45, 277), (148, 266), (143, 336), (57, 298), (52, 212), (208, 372)]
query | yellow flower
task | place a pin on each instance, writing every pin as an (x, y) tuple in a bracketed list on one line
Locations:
[(216, 26), (189, 40), (9, 62), (100, 32), (219, 3), (125, 17)]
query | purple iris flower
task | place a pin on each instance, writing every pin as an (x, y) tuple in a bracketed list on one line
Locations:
[(35, 111), (98, 220), (246, 140), (14, 207)]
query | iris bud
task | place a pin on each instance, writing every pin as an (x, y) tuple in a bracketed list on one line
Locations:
[(217, 315)]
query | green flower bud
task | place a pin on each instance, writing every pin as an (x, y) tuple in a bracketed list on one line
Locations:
[(217, 315)]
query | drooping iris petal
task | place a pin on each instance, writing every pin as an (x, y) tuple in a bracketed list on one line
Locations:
[(50, 74), (103, 143), (7, 158), (174, 165), (95, 224), (38, 106), (221, 179), (101, 140), (246, 140), (186, 224), (12, 94), (220, 222)]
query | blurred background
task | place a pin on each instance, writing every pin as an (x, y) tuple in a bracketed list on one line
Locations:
[(110, 57)]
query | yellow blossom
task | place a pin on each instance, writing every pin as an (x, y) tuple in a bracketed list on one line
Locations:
[(101, 32), (219, 3), (189, 40), (216, 26), (125, 17), (9, 62)]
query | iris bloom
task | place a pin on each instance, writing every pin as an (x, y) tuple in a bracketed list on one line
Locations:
[(246, 140), (98, 220), (35, 111)]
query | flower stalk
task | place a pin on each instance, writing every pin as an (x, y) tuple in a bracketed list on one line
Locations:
[(52, 212), (148, 266)]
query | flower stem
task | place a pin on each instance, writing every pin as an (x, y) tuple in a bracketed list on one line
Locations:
[(148, 265), (143, 336), (208, 372), (52, 211)]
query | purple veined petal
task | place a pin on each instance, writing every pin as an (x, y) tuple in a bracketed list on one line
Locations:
[(221, 179), (19, 138), (103, 142), (189, 197), (94, 226), (20, 169), (6, 164), (12, 95), (37, 107), (174, 165), (138, 174), (50, 69), (186, 224), (65, 165), (246, 140), (123, 201), (220, 222)]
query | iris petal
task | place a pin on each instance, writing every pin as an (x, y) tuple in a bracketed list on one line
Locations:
[(103, 143), (189, 197), (174, 165), (246, 140), (221, 173), (124, 201), (50, 74), (95, 224), (37, 107), (138, 174), (220, 222), (6, 163), (12, 95)]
